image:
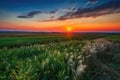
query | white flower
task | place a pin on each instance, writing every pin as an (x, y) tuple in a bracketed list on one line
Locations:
[(72, 56), (80, 70), (66, 55), (70, 62), (79, 57), (79, 62), (58, 52), (93, 50)]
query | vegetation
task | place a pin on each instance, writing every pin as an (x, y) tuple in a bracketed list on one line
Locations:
[(21, 40), (59, 58), (39, 61), (114, 38)]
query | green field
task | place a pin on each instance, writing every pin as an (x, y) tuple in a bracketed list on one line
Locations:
[(58, 57), (16, 41), (114, 38)]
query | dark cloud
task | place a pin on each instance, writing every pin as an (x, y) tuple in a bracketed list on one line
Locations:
[(23, 16), (54, 11), (33, 13), (49, 20), (110, 7), (52, 17), (92, 0), (30, 14)]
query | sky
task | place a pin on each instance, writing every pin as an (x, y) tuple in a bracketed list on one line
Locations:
[(60, 15)]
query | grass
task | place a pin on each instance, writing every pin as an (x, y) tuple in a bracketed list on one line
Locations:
[(17, 41), (39, 61), (21, 41), (113, 38), (47, 57)]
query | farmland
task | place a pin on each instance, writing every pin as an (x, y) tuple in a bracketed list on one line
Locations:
[(60, 57)]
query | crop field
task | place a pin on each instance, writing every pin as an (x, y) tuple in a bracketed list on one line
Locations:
[(53, 57)]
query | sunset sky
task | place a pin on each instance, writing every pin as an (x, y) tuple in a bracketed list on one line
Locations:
[(60, 15)]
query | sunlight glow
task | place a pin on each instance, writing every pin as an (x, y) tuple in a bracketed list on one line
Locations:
[(68, 29)]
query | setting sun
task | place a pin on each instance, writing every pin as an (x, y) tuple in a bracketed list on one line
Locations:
[(68, 29)]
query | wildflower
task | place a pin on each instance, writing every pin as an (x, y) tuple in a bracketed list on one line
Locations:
[(93, 50), (29, 60), (43, 65), (80, 45), (79, 62), (66, 55), (58, 53), (70, 62), (79, 57), (80, 70), (72, 56)]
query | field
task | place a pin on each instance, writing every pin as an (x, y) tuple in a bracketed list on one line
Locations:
[(60, 57)]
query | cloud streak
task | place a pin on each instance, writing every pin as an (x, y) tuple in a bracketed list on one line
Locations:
[(112, 6), (92, 2), (30, 14), (33, 13)]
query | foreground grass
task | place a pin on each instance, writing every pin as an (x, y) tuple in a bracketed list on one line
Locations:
[(44, 62), (49, 61)]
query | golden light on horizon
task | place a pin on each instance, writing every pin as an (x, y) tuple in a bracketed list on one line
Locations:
[(69, 29), (102, 23)]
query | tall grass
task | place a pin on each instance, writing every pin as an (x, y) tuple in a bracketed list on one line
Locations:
[(56, 61), (44, 62)]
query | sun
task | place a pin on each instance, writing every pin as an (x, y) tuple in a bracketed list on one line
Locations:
[(68, 29)]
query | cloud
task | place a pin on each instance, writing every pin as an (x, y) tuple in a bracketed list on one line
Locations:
[(52, 17), (57, 11), (91, 2), (49, 20), (110, 7), (30, 14)]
